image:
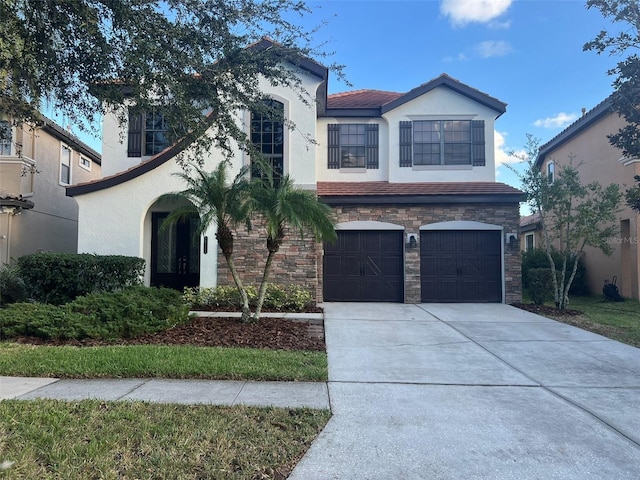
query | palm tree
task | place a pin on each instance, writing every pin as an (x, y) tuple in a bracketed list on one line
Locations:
[(282, 204), (214, 199)]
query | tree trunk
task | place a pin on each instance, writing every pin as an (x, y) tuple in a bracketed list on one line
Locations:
[(246, 313), (263, 285)]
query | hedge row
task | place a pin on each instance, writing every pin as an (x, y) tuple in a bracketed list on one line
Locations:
[(124, 314), (58, 278)]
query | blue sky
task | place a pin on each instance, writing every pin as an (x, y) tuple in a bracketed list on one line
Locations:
[(526, 53)]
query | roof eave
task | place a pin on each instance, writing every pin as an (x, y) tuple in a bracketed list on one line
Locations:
[(422, 199)]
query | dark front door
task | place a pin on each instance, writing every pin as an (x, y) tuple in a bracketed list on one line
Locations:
[(461, 266), (175, 253), (364, 266)]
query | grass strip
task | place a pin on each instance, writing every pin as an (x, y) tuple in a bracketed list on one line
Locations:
[(162, 361), (52, 439), (616, 320)]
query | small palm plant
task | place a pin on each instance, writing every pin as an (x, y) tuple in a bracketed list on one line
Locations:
[(213, 198), (282, 204)]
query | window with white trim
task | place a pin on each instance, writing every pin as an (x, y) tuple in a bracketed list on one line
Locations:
[(529, 242), (5, 138), (85, 162), (551, 170), (65, 165)]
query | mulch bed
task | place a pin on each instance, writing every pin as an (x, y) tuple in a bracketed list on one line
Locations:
[(547, 311), (268, 333)]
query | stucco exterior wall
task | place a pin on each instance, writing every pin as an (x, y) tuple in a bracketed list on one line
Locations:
[(438, 104), (600, 163), (298, 156), (52, 224)]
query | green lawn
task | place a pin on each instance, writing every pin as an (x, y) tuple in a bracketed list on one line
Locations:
[(616, 320), (52, 439), (144, 361)]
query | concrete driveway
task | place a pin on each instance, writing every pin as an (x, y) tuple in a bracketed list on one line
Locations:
[(474, 391)]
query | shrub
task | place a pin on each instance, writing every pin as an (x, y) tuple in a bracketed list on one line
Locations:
[(292, 298), (12, 287), (540, 284), (45, 321), (58, 278), (112, 315), (537, 258)]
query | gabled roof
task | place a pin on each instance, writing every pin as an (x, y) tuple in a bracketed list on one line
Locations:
[(374, 103), (445, 80), (592, 116), (429, 192)]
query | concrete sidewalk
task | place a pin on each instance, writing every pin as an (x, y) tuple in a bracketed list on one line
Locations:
[(277, 394), (473, 392)]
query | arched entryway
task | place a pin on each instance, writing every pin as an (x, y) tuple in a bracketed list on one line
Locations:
[(175, 249)]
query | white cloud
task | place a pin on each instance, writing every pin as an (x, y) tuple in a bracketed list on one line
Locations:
[(493, 48), (502, 154), (559, 120), (460, 57), (462, 12)]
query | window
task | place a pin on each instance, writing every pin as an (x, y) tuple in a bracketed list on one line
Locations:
[(551, 169), (442, 142), (529, 242), (5, 138), (353, 145), (85, 163), (65, 165), (267, 135), (147, 133)]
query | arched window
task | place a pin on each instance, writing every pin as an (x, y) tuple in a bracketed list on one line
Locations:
[(267, 134)]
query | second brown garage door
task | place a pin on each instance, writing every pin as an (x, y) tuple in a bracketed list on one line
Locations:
[(364, 266), (461, 266)]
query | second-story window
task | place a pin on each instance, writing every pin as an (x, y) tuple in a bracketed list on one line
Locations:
[(551, 170), (65, 165), (147, 133), (5, 138), (353, 145), (442, 142), (267, 135)]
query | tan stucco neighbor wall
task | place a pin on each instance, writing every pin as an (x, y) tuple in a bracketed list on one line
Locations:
[(598, 161)]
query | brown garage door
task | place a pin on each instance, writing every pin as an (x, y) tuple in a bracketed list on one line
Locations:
[(364, 266), (461, 266)]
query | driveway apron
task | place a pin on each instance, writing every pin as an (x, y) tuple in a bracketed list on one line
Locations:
[(473, 391)]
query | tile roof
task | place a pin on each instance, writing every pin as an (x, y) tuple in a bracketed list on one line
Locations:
[(345, 189), (361, 99)]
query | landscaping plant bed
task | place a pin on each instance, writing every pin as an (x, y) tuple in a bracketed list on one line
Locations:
[(546, 310), (268, 333)]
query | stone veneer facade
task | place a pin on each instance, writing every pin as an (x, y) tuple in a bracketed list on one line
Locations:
[(300, 260)]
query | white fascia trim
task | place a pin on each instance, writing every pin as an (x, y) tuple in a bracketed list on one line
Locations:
[(367, 225), (460, 225), (628, 161)]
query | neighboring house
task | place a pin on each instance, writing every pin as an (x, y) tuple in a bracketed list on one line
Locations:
[(410, 176), (36, 165), (586, 142), (530, 232)]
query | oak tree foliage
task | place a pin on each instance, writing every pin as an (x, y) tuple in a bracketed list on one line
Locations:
[(188, 58)]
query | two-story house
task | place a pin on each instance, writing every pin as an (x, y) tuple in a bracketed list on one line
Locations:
[(410, 176), (586, 142), (37, 163)]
